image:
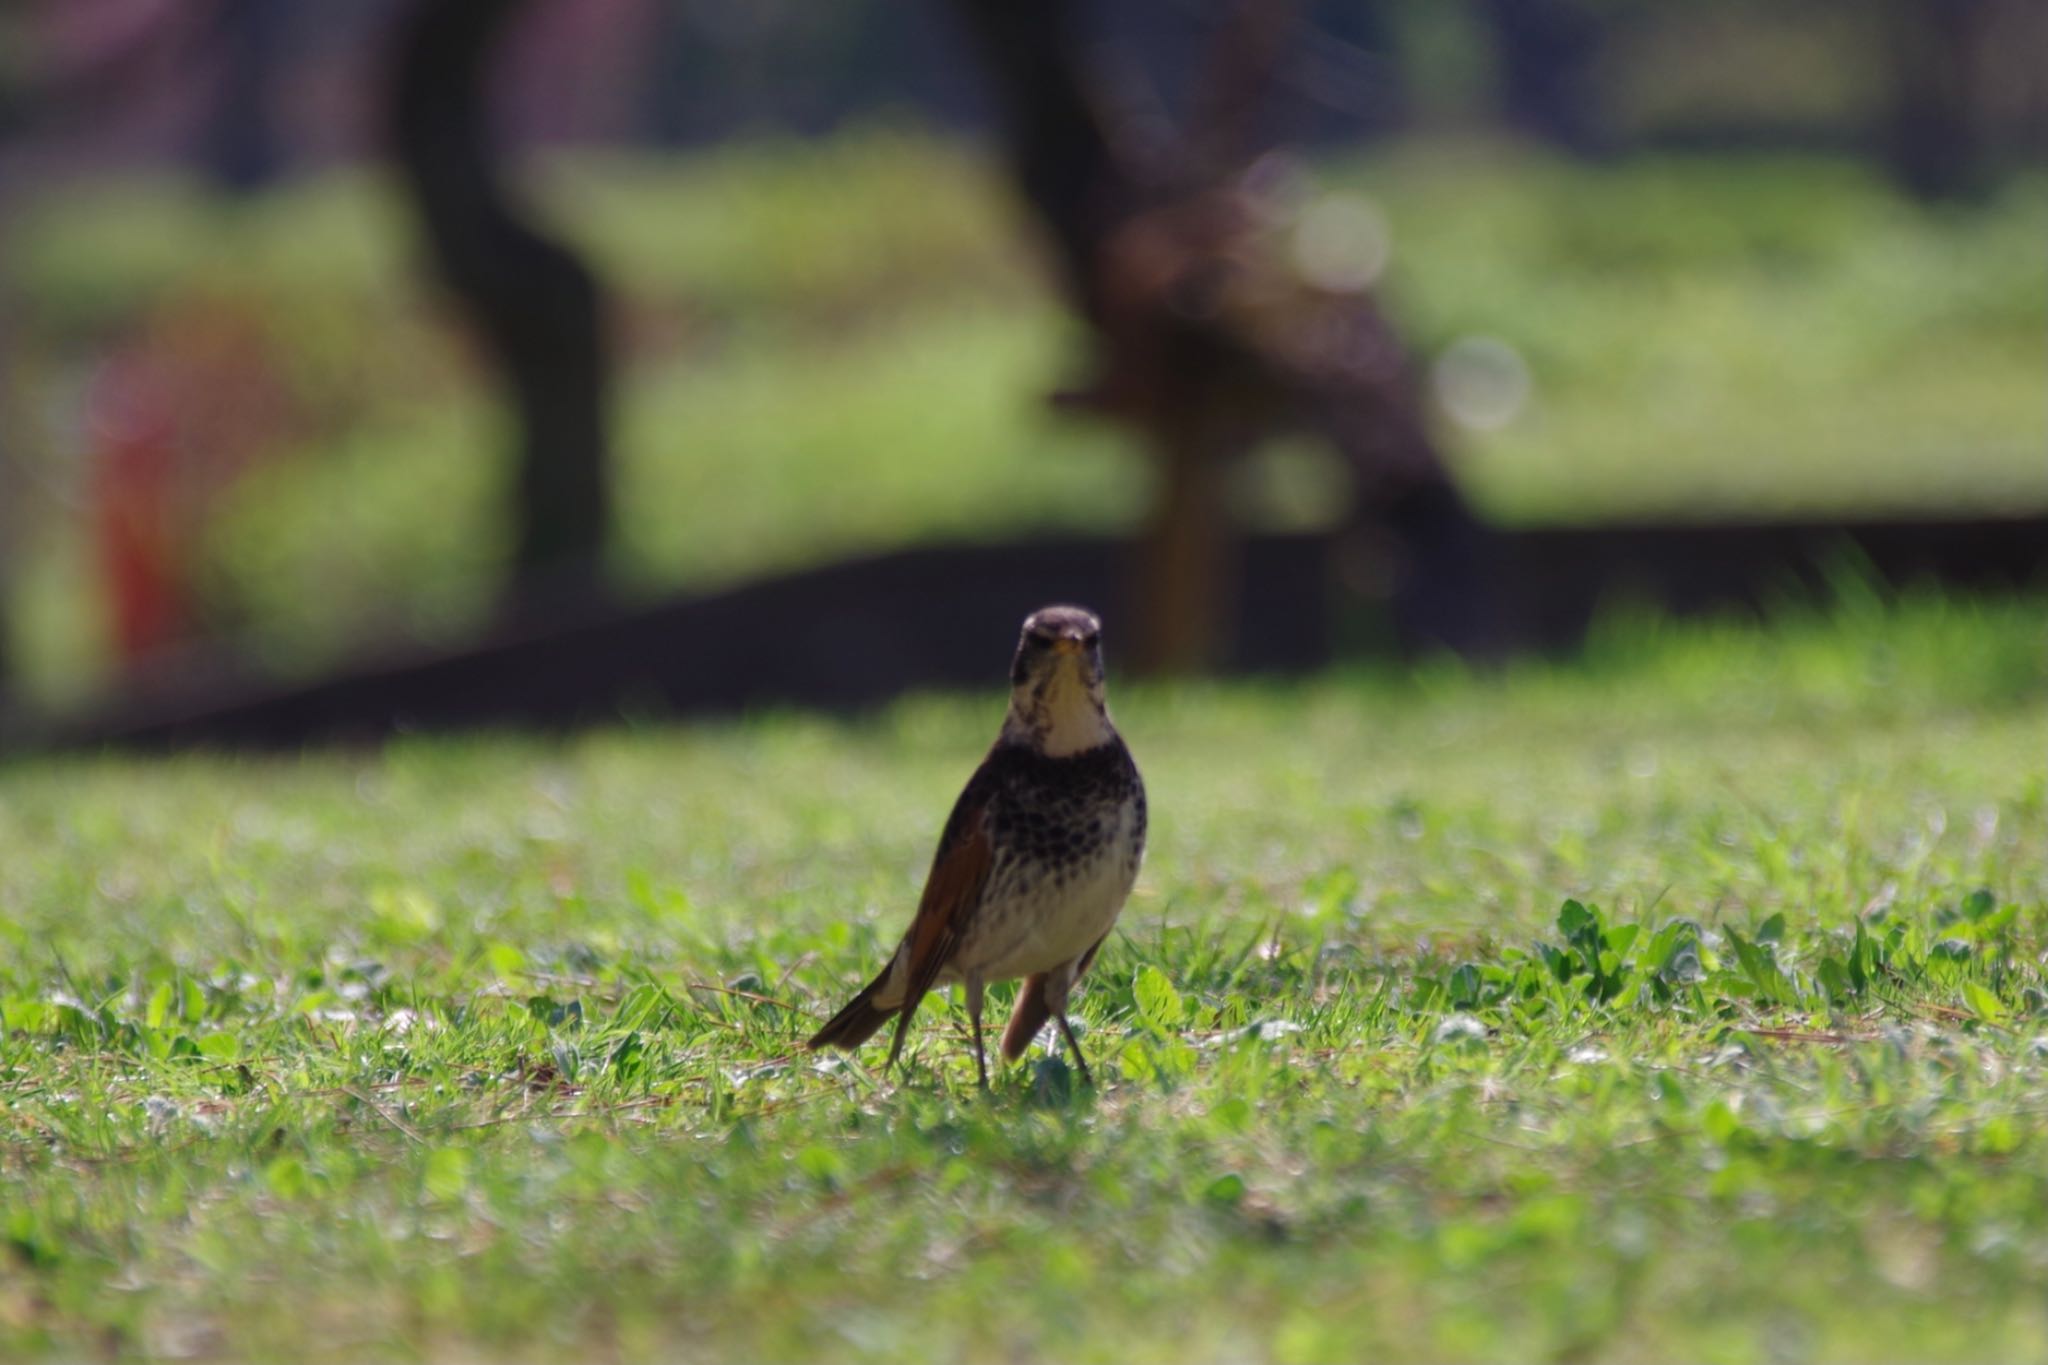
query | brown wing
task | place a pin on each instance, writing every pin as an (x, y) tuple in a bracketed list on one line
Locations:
[(952, 893)]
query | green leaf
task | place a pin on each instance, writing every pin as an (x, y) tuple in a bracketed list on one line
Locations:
[(1719, 1123), (1771, 930), (159, 1006), (645, 1006), (447, 1172), (1225, 1190), (554, 1013), (1861, 955), (1574, 919), (626, 1057), (18, 1013), (1983, 1003), (1463, 987), (1234, 1114), (32, 1239), (2000, 1136), (1760, 965), (403, 915), (504, 960), (1158, 1002), (821, 1164), (1332, 891), (287, 1178), (1984, 928)]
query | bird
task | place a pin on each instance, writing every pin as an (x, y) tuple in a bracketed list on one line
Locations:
[(1036, 860)]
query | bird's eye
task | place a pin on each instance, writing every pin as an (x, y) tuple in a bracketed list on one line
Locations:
[(1092, 640)]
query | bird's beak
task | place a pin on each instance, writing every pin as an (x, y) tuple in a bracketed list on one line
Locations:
[(1067, 644)]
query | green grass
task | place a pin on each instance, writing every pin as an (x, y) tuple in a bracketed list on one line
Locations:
[(488, 1046), (1776, 336), (841, 346)]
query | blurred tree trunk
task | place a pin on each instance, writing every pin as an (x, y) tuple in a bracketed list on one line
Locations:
[(1934, 141), (1084, 194), (538, 308), (1057, 147), (13, 475), (240, 146), (1207, 340), (1546, 51)]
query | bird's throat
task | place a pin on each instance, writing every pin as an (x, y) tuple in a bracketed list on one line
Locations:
[(1059, 715)]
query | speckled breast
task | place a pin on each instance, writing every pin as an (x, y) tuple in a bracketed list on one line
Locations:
[(1068, 835)]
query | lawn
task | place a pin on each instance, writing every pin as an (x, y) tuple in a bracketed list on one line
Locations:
[(842, 346), (1680, 1000)]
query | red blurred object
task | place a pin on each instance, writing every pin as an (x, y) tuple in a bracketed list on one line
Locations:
[(179, 411), (134, 505)]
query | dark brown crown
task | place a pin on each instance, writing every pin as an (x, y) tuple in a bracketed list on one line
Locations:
[(1069, 623), (1052, 631)]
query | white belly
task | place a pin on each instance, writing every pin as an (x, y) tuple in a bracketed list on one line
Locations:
[(1032, 919)]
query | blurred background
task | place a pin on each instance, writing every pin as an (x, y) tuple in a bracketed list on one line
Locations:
[(452, 359)]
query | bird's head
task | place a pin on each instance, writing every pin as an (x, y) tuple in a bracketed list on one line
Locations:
[(1056, 696)]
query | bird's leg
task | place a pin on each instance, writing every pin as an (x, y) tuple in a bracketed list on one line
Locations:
[(974, 984), (1067, 1032)]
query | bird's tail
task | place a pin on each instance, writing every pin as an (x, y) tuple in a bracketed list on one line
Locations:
[(856, 1023), (1027, 1018)]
